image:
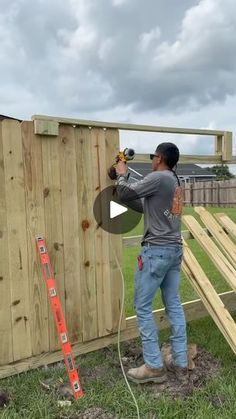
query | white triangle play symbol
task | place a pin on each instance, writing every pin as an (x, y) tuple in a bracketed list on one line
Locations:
[(116, 209)]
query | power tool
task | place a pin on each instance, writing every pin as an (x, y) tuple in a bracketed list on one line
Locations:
[(126, 155)]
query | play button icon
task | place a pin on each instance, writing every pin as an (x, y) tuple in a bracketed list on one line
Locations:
[(114, 216), (116, 209)]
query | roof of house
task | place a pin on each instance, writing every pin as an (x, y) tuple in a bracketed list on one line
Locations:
[(8, 117), (185, 170)]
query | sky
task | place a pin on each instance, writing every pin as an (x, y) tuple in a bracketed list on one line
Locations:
[(158, 62)]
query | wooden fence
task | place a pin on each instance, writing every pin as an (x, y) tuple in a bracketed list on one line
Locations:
[(211, 194), (47, 187), (51, 170)]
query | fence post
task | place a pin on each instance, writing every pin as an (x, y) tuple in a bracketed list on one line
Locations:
[(218, 145), (204, 193), (212, 193), (191, 194), (218, 194), (227, 146)]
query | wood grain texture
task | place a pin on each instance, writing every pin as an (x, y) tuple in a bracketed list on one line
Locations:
[(46, 127), (17, 238), (132, 127), (52, 172), (87, 229), (70, 228), (115, 240), (227, 223), (35, 221), (102, 250), (227, 146), (6, 349), (218, 144)]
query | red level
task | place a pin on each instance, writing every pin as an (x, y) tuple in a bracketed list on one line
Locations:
[(48, 274)]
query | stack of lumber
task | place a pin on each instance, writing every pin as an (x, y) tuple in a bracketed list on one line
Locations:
[(225, 263)]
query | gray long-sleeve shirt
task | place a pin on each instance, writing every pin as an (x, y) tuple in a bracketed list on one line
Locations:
[(154, 196)]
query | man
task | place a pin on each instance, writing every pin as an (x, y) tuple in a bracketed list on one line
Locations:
[(159, 197)]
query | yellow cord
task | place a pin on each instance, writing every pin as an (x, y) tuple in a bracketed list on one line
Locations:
[(118, 335)]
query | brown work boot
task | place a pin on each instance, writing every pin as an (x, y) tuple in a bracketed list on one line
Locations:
[(181, 373), (145, 374)]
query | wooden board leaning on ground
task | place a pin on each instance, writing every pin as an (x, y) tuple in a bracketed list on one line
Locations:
[(209, 297), (218, 258), (217, 232), (227, 223), (226, 266)]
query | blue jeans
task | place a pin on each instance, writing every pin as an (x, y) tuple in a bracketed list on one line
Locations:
[(161, 269)]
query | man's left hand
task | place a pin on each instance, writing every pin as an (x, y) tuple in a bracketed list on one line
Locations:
[(121, 168)]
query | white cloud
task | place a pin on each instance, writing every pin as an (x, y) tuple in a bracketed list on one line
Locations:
[(146, 39), (105, 49), (83, 38), (196, 47), (119, 2), (171, 63)]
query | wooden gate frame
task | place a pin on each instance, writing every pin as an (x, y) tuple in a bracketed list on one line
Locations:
[(47, 125)]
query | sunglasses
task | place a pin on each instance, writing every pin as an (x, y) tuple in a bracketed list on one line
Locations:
[(153, 155)]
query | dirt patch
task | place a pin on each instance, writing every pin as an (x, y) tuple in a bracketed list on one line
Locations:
[(206, 367), (202, 368), (98, 372), (4, 398)]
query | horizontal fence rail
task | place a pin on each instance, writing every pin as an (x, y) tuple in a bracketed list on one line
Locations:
[(127, 127), (187, 159)]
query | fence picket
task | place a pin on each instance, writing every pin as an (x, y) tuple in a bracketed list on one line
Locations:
[(211, 194)]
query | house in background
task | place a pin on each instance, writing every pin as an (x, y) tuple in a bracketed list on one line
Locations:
[(2, 117), (189, 173)]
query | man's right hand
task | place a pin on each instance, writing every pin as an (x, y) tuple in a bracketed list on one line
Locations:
[(121, 168)]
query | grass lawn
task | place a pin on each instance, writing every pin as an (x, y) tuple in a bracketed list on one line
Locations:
[(107, 389)]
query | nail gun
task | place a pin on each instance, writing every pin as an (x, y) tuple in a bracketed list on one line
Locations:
[(126, 155)]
